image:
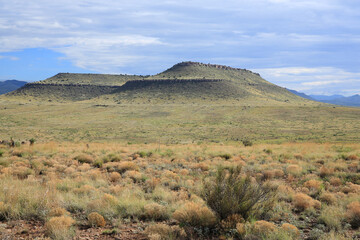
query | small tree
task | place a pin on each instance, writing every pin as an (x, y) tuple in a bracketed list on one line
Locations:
[(231, 192), (32, 141)]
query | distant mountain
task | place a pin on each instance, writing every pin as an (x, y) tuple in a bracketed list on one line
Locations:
[(325, 97), (352, 101), (301, 94), (10, 85)]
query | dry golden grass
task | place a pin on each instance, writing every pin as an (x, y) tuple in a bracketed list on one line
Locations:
[(60, 227), (302, 202), (263, 227), (96, 220), (291, 229), (195, 214), (353, 214), (147, 182)]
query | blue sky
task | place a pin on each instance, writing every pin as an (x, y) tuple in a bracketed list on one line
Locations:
[(309, 46)]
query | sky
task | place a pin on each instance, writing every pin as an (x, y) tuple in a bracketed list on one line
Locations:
[(309, 46)]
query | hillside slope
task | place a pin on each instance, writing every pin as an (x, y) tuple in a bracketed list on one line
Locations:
[(198, 82), (90, 79), (184, 82)]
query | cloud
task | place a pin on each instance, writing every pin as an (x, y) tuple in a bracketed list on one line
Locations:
[(12, 58), (323, 80), (147, 36)]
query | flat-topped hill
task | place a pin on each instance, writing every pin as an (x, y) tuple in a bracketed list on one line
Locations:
[(193, 70), (184, 82), (90, 79)]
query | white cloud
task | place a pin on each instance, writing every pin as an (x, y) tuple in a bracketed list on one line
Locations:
[(109, 34), (12, 58), (325, 80)]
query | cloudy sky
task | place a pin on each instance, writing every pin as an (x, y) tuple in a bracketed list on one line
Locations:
[(310, 46)]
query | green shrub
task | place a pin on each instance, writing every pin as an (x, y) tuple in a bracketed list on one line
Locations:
[(247, 143), (231, 193), (144, 154), (32, 141), (225, 156), (112, 157), (1, 152), (98, 163)]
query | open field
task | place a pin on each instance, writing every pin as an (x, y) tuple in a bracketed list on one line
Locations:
[(151, 191), (196, 152), (176, 123)]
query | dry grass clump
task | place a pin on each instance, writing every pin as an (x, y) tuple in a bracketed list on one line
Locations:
[(350, 188), (201, 166), (162, 231), (114, 176), (291, 229), (313, 184), (134, 175), (241, 229), (335, 181), (325, 172), (96, 220), (106, 206), (84, 158), (285, 192), (328, 198), (263, 227), (332, 235), (84, 190), (26, 199), (57, 212), (353, 214), (303, 201), (3, 211), (269, 174), (231, 221), (294, 169), (59, 228), (314, 187), (195, 214), (184, 172), (155, 211), (126, 166), (332, 216)]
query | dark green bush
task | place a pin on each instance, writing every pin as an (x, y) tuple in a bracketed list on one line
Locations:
[(247, 143), (144, 154), (225, 156), (98, 163), (112, 157), (230, 192), (32, 141)]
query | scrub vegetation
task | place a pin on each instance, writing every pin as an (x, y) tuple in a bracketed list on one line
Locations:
[(199, 151), (183, 191)]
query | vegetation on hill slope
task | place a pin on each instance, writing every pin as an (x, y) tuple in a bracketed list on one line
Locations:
[(90, 79), (184, 82), (62, 92)]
